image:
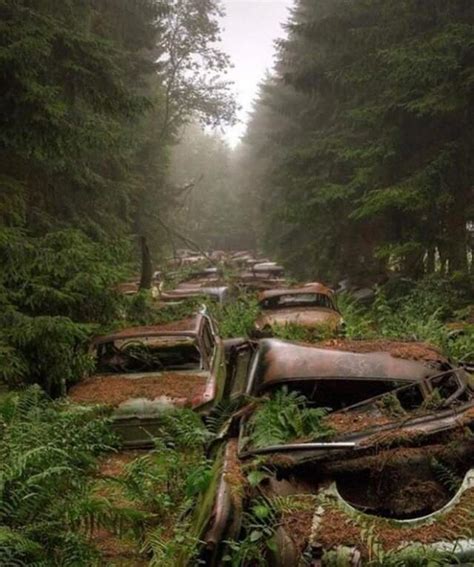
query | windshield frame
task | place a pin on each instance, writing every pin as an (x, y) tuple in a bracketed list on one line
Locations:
[(166, 340)]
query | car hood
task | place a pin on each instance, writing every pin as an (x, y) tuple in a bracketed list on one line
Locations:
[(306, 317), (146, 393)]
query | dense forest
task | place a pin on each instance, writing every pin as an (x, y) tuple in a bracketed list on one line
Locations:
[(125, 208), (94, 96), (360, 140)]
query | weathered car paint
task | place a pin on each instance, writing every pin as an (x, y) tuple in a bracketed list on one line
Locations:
[(280, 361), (306, 316), (275, 358), (138, 420)]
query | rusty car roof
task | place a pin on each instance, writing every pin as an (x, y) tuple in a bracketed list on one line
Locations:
[(218, 292), (267, 266), (188, 326), (281, 360), (312, 288)]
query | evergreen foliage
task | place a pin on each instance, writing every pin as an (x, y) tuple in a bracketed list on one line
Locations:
[(85, 136), (361, 139)]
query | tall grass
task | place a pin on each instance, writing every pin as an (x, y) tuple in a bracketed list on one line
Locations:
[(424, 312)]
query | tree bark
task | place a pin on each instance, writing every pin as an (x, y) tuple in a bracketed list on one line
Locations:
[(457, 244), (146, 278)]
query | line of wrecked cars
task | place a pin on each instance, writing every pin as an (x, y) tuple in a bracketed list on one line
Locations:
[(322, 451), (204, 276), (354, 439)]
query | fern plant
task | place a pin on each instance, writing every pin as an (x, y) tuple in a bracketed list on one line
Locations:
[(165, 483), (48, 453), (285, 417), (237, 318), (446, 475)]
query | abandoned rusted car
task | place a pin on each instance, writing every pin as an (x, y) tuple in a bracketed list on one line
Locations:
[(133, 288), (312, 306), (341, 455), (142, 371), (267, 269), (220, 294)]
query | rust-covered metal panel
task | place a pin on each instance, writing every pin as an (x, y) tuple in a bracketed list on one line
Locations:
[(282, 360), (304, 316), (218, 293), (313, 287), (188, 326)]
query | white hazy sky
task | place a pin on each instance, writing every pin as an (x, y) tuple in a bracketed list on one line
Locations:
[(249, 29)]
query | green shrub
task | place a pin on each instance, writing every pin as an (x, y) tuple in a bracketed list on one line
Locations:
[(299, 333), (47, 453), (357, 318), (415, 312)]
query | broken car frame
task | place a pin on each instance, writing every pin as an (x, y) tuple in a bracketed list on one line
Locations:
[(391, 418)]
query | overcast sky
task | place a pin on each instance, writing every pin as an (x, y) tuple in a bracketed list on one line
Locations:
[(250, 27)]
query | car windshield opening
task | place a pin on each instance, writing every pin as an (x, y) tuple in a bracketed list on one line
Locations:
[(147, 355), (298, 300)]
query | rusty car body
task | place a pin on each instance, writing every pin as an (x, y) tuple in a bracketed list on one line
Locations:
[(219, 293), (393, 423), (143, 371), (133, 288), (263, 270), (312, 306)]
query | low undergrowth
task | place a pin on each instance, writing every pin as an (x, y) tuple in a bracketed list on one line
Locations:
[(411, 556), (48, 453), (163, 484), (285, 417), (259, 526), (298, 333), (236, 318), (142, 309), (433, 311)]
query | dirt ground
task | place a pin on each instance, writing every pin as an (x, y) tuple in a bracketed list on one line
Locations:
[(115, 550), (113, 464)]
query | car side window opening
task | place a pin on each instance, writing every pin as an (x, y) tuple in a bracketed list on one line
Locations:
[(410, 398), (148, 354), (339, 394), (208, 340), (241, 368), (446, 385), (298, 300)]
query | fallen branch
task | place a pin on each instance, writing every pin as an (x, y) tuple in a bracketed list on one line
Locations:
[(190, 243)]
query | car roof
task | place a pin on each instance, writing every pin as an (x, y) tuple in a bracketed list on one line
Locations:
[(195, 291), (312, 288), (281, 361), (267, 266), (186, 327)]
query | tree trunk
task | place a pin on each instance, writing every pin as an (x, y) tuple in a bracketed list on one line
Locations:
[(457, 244), (430, 260), (147, 266)]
